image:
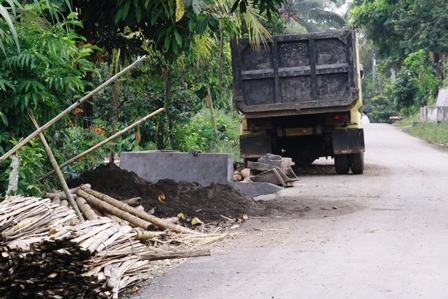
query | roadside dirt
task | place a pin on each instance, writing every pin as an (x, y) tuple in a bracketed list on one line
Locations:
[(208, 203), (386, 236)]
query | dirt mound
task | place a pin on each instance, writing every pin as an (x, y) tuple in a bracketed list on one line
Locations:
[(206, 202)]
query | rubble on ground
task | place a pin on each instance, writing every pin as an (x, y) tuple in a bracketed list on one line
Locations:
[(269, 168)]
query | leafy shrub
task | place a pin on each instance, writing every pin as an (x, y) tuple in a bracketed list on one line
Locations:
[(198, 133)]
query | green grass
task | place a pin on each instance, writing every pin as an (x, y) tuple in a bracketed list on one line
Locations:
[(408, 121), (432, 132)]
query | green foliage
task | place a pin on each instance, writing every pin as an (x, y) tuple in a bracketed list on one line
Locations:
[(171, 25), (44, 77), (7, 29), (32, 159), (72, 141), (198, 133), (409, 38), (435, 133), (423, 78), (408, 121), (382, 109), (398, 28)]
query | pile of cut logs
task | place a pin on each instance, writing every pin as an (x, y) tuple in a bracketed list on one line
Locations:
[(47, 252)]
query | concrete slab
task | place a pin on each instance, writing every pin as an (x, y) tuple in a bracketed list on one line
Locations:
[(442, 98), (179, 166), (256, 189), (433, 113), (437, 112)]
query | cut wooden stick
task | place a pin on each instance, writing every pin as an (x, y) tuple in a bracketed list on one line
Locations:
[(175, 255), (141, 214), (86, 210), (133, 202), (104, 206)]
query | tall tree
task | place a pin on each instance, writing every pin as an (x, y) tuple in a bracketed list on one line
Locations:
[(172, 25), (311, 15), (401, 27)]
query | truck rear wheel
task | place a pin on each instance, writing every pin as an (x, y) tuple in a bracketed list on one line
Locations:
[(357, 163), (341, 164)]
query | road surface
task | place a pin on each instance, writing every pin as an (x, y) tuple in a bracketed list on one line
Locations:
[(383, 234)]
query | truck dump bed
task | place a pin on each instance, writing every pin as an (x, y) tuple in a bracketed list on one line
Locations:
[(296, 74)]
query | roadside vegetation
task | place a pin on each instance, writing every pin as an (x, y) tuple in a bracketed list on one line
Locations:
[(432, 132), (53, 52)]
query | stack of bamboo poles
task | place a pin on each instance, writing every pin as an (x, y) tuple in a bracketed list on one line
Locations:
[(46, 252)]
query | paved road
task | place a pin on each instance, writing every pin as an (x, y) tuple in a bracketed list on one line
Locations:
[(383, 234)]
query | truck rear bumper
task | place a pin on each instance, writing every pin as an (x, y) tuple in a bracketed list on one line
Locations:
[(348, 141)]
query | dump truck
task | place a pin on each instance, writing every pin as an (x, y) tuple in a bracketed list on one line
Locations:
[(300, 96)]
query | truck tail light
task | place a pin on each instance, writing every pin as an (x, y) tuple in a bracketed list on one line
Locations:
[(338, 118)]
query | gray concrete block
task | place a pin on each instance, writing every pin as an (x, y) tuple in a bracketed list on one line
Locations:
[(179, 166), (433, 114), (256, 189)]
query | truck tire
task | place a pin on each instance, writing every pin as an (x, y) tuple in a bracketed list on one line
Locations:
[(341, 164), (357, 163)]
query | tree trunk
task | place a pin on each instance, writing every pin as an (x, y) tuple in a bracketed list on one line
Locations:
[(167, 104), (87, 108), (160, 133), (212, 111), (114, 117), (438, 65)]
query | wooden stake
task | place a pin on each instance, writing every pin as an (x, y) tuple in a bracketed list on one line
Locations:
[(69, 109), (175, 255), (103, 142), (56, 168)]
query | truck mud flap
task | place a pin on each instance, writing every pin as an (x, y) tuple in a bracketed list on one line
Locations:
[(254, 146), (349, 141)]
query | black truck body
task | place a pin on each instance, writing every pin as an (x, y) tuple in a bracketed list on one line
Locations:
[(300, 96)]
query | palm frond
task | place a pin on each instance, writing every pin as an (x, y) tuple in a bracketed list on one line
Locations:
[(258, 34), (6, 16)]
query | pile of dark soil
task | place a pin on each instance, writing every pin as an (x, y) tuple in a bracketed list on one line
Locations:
[(207, 203)]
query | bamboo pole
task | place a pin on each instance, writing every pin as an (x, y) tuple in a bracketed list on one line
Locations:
[(104, 206), (55, 166), (69, 109), (133, 211), (175, 255), (103, 142)]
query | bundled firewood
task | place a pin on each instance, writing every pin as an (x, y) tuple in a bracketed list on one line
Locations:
[(45, 252)]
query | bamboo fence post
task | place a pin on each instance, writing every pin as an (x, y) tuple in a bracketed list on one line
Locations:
[(58, 171), (102, 143), (69, 109), (14, 176)]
